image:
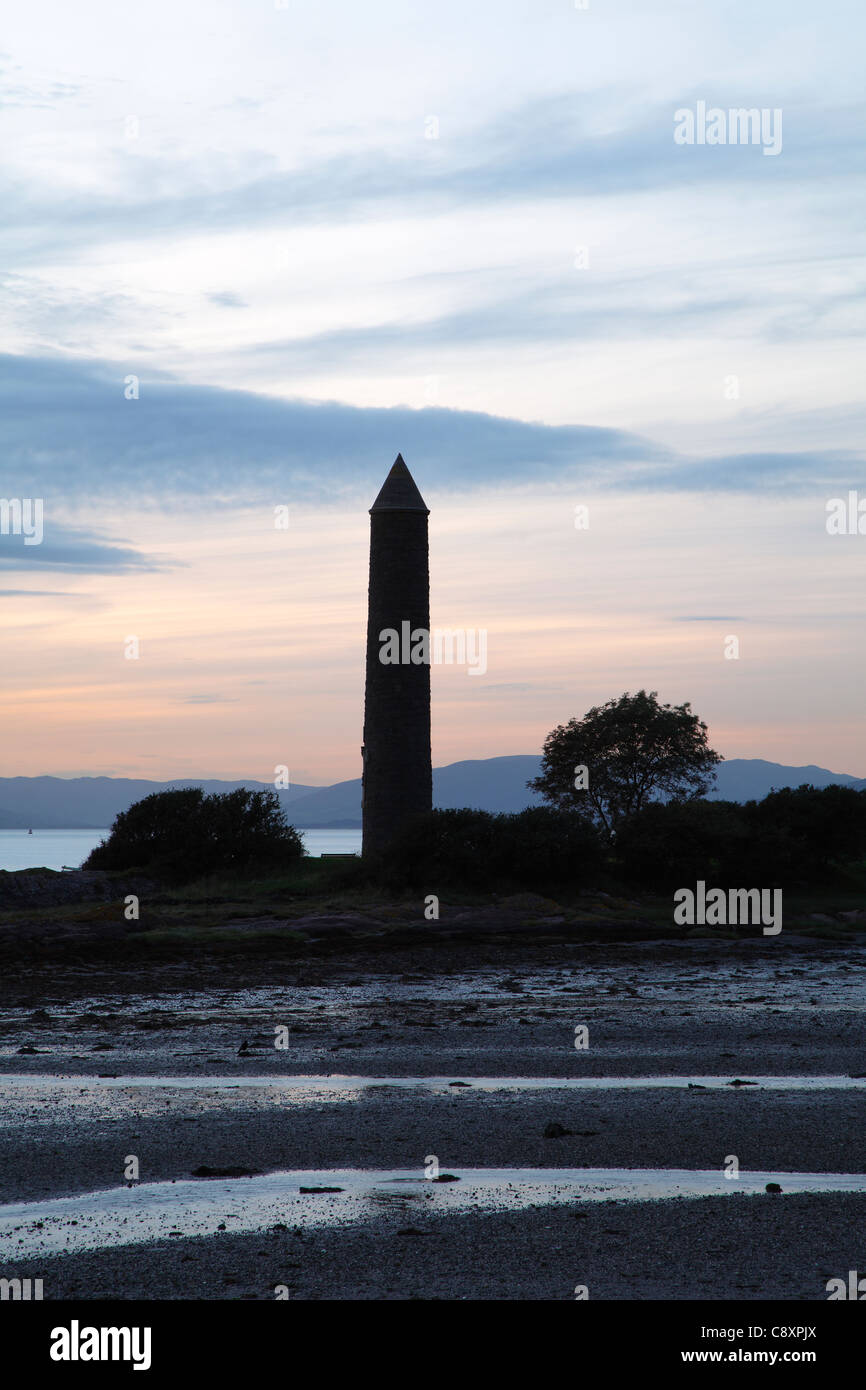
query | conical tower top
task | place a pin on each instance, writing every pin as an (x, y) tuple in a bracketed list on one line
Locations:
[(399, 492)]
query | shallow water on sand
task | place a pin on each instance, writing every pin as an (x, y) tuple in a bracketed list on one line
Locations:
[(335, 1085), (150, 1211)]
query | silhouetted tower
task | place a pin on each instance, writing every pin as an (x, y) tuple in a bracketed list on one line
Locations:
[(398, 774)]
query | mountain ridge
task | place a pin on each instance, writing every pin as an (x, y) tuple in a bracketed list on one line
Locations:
[(488, 784)]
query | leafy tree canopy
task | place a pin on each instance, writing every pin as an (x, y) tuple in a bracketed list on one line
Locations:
[(624, 754)]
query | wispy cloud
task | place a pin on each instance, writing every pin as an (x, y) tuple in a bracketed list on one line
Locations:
[(19, 87), (68, 433), (72, 549), (207, 700), (226, 299), (66, 430), (564, 145)]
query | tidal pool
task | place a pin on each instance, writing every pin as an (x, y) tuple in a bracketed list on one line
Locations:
[(335, 1083), (211, 1206)]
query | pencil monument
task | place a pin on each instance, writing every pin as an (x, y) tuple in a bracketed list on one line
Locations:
[(397, 778)]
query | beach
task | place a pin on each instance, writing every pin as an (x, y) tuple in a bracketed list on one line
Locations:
[(463, 1053)]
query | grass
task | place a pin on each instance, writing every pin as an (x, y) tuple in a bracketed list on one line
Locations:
[(198, 914)]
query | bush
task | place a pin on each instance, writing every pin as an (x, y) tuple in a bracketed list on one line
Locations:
[(670, 845), (810, 832), (183, 833), (537, 849), (791, 838)]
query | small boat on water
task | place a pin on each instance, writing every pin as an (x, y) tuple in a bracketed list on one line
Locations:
[(29, 832)]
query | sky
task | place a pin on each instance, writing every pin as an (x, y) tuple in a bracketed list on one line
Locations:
[(251, 251)]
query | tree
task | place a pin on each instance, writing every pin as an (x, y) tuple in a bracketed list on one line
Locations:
[(816, 829), (181, 833), (624, 754)]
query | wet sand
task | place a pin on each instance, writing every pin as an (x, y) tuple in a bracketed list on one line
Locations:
[(691, 1011), (750, 1248)]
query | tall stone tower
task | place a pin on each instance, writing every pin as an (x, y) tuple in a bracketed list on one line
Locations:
[(398, 773)]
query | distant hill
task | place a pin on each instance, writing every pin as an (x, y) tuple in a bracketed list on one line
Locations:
[(90, 803), (499, 784), (487, 784), (748, 779)]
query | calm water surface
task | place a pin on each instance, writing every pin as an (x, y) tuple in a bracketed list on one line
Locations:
[(59, 849)]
